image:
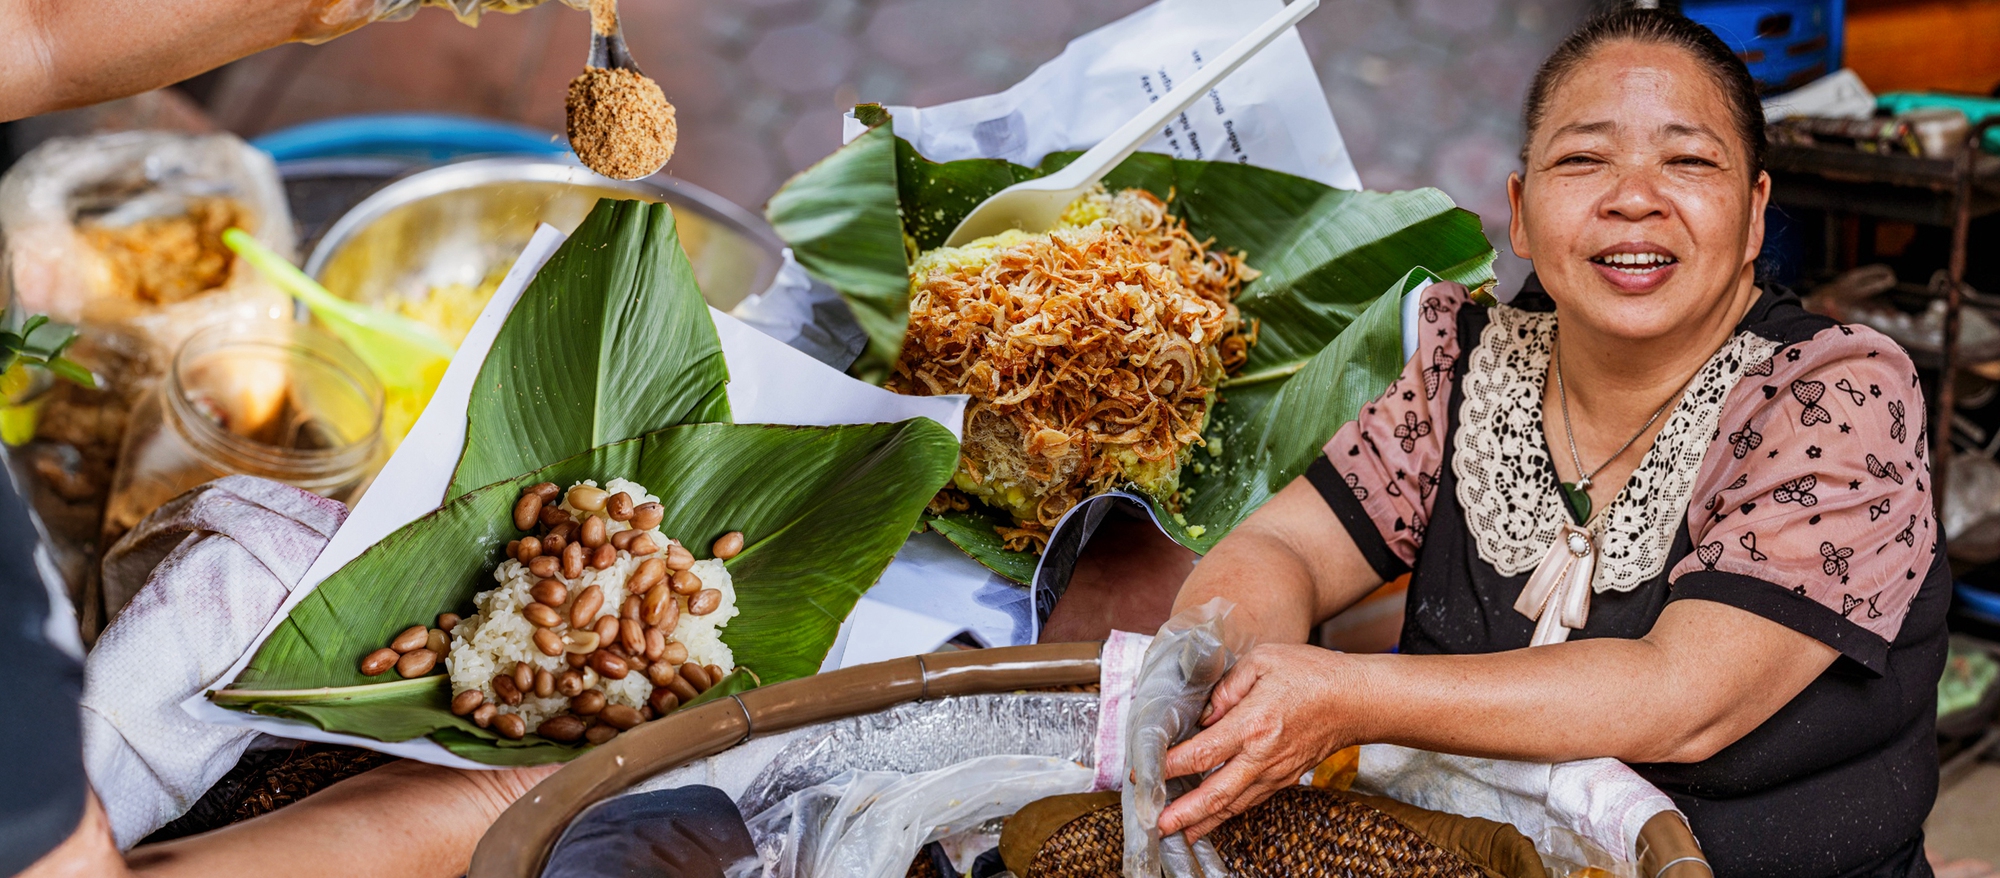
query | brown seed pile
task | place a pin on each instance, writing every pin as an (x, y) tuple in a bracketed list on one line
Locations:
[(575, 625), (1300, 832), (620, 123)]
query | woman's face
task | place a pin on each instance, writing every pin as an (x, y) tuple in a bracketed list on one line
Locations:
[(1637, 207)]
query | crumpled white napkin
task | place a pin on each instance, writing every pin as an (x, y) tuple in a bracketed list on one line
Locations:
[(215, 563)]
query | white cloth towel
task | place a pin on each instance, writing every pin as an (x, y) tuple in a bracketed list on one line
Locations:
[(215, 563)]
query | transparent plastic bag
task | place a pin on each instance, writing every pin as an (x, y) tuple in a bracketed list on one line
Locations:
[(1185, 661), (870, 824)]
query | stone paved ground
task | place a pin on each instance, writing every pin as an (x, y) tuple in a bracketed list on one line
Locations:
[(1426, 91)]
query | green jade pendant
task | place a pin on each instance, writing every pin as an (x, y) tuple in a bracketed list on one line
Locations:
[(1578, 495)]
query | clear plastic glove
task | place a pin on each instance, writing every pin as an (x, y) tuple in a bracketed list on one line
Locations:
[(1185, 661), (327, 19)]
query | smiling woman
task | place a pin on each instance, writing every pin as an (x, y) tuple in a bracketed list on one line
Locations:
[(1652, 510)]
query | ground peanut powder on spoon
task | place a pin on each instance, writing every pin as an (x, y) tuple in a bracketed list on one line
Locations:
[(620, 123)]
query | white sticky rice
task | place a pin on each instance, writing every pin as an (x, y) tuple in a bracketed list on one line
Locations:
[(491, 641)]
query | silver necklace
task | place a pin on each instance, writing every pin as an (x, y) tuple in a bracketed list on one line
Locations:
[(1578, 492)]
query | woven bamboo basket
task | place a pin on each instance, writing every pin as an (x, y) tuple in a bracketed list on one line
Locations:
[(519, 843)]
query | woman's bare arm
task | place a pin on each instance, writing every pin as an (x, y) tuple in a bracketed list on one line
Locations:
[(1706, 675), (1288, 566), (56, 54)]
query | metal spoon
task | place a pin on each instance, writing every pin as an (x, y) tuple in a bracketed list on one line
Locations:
[(1034, 205)]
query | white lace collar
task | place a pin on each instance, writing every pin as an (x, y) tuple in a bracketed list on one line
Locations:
[(1508, 489)]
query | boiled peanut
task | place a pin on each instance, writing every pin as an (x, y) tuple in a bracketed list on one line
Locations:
[(670, 615), (646, 714), (569, 683), (685, 582), (599, 734), (592, 534), (513, 548), (653, 606), (632, 635), (546, 566), (437, 642), (642, 545), (647, 516), (585, 609), (527, 511), (416, 662), (552, 546), (588, 702), (505, 690), (545, 490), (630, 609), (697, 676), (609, 665), (704, 602), (715, 672), (378, 661), (547, 641), (575, 659), (656, 644), (682, 689), (603, 557), (482, 716), (554, 516), (728, 545), (529, 550), (524, 676), (467, 701), (661, 673), (510, 726), (447, 621), (586, 498), (542, 615), (607, 630), (549, 592), (663, 700), (622, 540), (561, 727), (584, 641), (572, 557), (651, 572), (411, 638), (545, 683), (619, 717), (568, 531), (618, 506), (679, 558), (676, 652)]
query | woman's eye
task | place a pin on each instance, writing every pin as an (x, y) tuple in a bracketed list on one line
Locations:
[(1694, 161)]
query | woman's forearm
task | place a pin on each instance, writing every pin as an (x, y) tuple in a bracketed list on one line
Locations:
[(1705, 677), (405, 819), (1288, 566), (56, 54)]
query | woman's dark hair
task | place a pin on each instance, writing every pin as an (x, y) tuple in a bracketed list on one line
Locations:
[(1655, 27)]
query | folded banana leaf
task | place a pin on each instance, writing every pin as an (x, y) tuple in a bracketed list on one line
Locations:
[(822, 510), (1333, 262), (610, 341)]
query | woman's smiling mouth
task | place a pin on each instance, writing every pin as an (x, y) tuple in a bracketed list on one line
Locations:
[(1635, 267)]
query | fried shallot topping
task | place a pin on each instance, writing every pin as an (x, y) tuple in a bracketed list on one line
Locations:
[(1091, 352)]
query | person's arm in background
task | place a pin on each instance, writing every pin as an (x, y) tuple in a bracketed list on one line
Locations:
[(403, 820), (57, 54)]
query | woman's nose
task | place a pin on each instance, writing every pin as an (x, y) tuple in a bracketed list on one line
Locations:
[(1634, 195)]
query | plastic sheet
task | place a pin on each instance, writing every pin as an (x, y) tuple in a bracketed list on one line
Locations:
[(870, 824), (331, 18), (1186, 659)]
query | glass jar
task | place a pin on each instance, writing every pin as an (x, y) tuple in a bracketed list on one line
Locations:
[(276, 399)]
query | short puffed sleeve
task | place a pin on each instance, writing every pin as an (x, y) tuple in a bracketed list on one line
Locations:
[(1380, 472), (1812, 508)]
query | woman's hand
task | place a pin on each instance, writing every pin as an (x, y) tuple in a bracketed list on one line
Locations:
[(1275, 716)]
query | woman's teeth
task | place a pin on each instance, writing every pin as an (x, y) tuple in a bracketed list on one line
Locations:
[(1636, 263)]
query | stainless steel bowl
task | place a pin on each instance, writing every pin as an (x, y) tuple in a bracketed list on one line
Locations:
[(463, 222)]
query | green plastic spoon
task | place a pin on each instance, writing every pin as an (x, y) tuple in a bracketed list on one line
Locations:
[(405, 354)]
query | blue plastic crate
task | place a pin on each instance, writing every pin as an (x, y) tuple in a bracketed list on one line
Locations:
[(1785, 43)]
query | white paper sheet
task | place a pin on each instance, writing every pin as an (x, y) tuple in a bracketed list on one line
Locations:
[(769, 383), (1271, 112)]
